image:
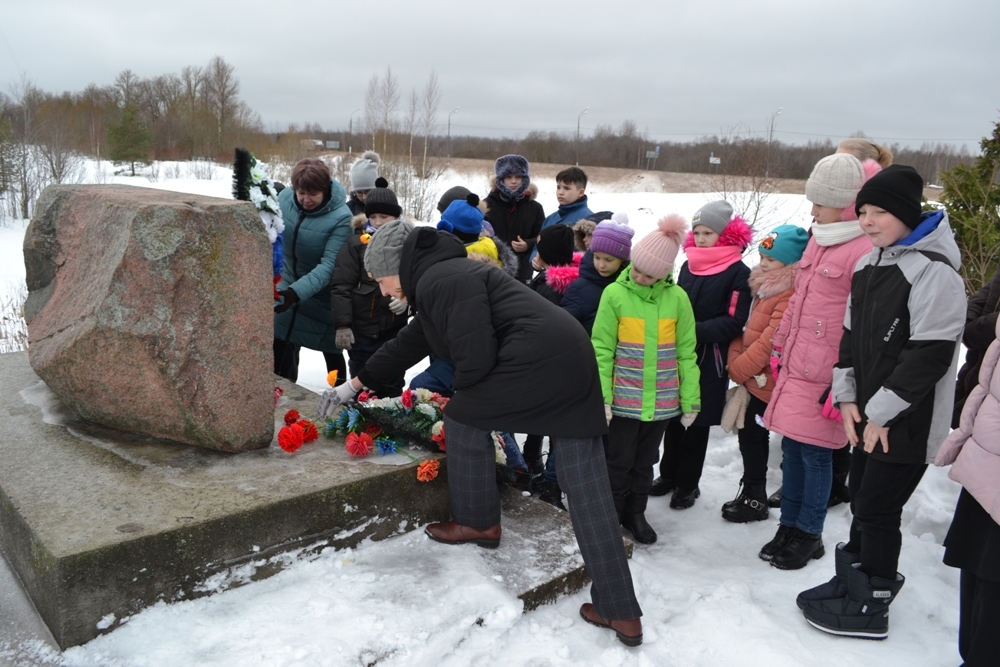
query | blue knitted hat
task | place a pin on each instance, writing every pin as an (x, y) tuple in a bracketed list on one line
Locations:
[(463, 215), (785, 243)]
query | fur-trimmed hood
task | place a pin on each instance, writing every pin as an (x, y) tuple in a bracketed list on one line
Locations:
[(358, 222), (765, 285), (737, 234), (560, 278)]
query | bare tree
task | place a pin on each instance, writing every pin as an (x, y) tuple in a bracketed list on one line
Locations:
[(389, 92), (127, 87), (428, 115), (373, 103), (411, 120), (742, 179), (223, 94)]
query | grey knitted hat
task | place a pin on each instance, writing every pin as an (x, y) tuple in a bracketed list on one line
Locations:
[(715, 215), (835, 181), (385, 249), (364, 171)]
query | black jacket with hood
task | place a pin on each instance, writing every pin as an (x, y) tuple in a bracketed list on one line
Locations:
[(522, 365)]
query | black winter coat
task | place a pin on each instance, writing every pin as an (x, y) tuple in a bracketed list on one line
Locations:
[(522, 365), (355, 299), (721, 304), (980, 331), (522, 218), (584, 295)]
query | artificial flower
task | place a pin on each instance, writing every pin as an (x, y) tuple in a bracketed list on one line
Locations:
[(364, 396), (407, 399), (372, 429), (428, 470), (359, 444), (290, 438), (439, 436), (365, 238), (385, 446), (309, 430), (331, 378), (278, 392), (291, 417)]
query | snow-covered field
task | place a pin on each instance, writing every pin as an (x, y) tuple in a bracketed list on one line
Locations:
[(707, 598)]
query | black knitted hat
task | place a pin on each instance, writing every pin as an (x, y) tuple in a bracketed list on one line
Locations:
[(555, 245), (898, 189), (382, 200)]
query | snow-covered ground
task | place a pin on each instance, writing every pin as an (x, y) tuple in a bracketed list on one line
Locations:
[(707, 599)]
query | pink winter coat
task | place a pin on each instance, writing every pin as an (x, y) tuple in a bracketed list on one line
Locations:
[(809, 339), (973, 450)]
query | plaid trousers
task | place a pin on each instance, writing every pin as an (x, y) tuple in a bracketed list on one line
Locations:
[(583, 475)]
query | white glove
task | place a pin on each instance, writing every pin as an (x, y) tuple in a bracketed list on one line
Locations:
[(398, 306), (334, 397), (607, 412), (344, 339), (688, 418)]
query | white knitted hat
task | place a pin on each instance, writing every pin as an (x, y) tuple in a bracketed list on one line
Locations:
[(835, 181)]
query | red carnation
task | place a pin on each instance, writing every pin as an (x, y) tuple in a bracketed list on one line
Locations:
[(309, 430), (291, 417), (427, 470), (277, 279), (407, 399), (278, 391), (364, 396), (290, 438), (439, 439), (373, 429), (359, 444)]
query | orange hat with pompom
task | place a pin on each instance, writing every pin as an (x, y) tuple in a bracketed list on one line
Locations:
[(655, 253)]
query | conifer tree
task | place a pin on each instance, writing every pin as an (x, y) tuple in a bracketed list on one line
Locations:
[(130, 140), (972, 197)]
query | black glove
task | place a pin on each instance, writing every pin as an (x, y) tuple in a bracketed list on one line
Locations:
[(290, 299)]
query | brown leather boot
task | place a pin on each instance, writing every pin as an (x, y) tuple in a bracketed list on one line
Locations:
[(450, 532), (629, 632)]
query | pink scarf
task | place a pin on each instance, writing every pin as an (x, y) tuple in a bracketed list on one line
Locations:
[(709, 261)]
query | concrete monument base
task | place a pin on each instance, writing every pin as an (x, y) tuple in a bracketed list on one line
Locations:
[(99, 524)]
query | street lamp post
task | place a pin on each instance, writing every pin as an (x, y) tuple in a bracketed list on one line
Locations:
[(770, 133), (578, 135), (449, 129), (350, 130)]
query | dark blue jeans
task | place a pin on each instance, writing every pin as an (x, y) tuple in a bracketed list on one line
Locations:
[(807, 472)]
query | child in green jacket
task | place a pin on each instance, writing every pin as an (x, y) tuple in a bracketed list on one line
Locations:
[(644, 338)]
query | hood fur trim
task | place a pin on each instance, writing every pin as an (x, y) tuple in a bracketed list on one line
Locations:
[(560, 278), (358, 221), (772, 283), (737, 233)]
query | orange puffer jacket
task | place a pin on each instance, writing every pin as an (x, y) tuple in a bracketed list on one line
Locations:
[(750, 354)]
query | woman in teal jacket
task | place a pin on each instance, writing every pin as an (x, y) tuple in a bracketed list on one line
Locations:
[(317, 223)]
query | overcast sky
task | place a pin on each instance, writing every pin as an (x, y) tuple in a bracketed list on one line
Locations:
[(902, 71)]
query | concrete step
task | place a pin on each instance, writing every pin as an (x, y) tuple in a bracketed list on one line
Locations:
[(98, 524)]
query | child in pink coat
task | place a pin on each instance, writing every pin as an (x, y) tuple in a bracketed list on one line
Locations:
[(805, 350)]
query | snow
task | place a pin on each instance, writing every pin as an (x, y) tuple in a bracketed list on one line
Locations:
[(407, 601)]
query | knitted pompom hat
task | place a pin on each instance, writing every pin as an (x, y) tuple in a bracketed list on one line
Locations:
[(613, 237), (463, 218), (385, 249), (655, 253), (382, 200), (364, 171), (835, 181)]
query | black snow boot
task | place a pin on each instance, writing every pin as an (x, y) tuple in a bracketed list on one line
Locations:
[(750, 505), (635, 520), (777, 543), (735, 501), (862, 613), (552, 494), (684, 498), (661, 487), (774, 500), (802, 548), (836, 587)]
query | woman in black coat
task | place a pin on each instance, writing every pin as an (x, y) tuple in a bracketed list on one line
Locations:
[(521, 365)]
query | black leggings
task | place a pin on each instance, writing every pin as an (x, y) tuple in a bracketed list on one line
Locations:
[(754, 445)]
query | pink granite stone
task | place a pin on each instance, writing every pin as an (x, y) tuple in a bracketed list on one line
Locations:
[(151, 311)]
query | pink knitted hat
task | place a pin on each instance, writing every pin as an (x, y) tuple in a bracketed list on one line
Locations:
[(655, 253)]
